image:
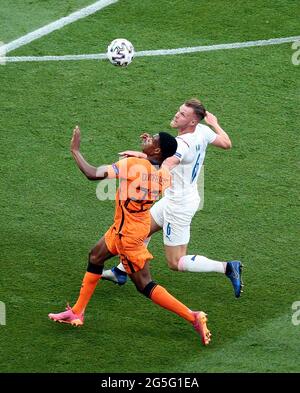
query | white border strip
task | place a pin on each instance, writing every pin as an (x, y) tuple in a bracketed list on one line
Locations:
[(84, 12), (160, 52)]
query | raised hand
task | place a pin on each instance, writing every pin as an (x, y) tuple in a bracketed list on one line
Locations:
[(75, 142), (211, 119)]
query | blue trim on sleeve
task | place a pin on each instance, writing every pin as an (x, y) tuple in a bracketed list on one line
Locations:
[(115, 168)]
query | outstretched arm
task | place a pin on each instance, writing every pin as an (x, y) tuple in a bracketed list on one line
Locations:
[(170, 162), (222, 140), (91, 172), (132, 153)]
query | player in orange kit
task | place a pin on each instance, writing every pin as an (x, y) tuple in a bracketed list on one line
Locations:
[(141, 183)]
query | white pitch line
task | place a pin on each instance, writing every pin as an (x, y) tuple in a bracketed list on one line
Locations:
[(58, 24), (15, 59), (159, 52)]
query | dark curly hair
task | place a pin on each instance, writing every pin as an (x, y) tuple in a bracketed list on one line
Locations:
[(168, 144)]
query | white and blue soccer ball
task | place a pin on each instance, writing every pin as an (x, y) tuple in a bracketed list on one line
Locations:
[(120, 52)]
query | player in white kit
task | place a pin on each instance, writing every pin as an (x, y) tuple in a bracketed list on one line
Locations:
[(174, 212)]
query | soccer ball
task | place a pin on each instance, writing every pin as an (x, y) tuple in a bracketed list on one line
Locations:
[(120, 52)]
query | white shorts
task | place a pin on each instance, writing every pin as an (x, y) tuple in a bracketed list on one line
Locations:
[(175, 219)]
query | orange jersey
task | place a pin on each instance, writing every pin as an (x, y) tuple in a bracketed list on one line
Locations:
[(141, 184)]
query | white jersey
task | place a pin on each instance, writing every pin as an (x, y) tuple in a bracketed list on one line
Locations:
[(190, 151)]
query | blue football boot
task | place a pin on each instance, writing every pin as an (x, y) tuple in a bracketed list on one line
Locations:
[(115, 275), (234, 273)]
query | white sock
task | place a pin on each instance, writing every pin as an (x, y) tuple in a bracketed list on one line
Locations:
[(198, 263), (121, 267)]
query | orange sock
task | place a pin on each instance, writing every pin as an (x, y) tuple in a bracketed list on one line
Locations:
[(89, 283), (161, 296)]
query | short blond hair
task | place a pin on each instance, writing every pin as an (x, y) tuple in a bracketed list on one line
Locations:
[(197, 106)]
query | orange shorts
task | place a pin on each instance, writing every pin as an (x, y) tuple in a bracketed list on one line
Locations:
[(132, 251)]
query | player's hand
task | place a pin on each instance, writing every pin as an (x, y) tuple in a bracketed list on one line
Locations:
[(75, 142), (211, 119), (144, 137), (132, 153)]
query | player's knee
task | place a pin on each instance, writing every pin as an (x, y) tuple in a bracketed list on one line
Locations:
[(173, 263), (94, 264), (95, 258)]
